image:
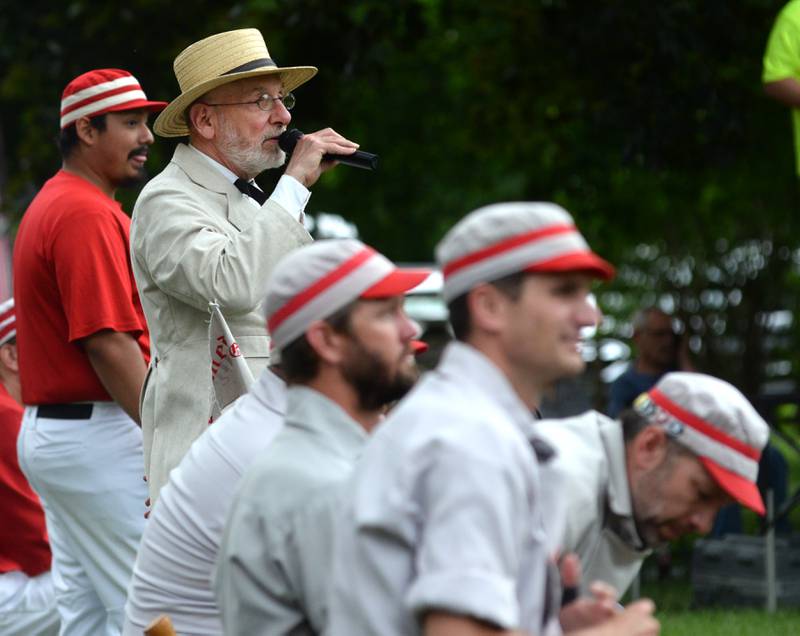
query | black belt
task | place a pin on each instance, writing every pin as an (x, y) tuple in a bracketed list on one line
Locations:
[(65, 411)]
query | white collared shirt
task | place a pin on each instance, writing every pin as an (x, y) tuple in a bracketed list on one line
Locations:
[(289, 193), (444, 512), (589, 472), (176, 557)]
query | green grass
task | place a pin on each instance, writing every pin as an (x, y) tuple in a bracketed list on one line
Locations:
[(673, 600), (729, 622)]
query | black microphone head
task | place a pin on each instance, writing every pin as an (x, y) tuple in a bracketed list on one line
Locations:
[(288, 140)]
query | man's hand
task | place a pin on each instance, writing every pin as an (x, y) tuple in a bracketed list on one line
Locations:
[(117, 360), (589, 611), (306, 164), (635, 620), (584, 612)]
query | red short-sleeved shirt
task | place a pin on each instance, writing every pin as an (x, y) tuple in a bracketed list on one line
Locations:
[(72, 278), (23, 536)]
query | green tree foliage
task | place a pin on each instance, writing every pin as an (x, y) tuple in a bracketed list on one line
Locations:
[(645, 119)]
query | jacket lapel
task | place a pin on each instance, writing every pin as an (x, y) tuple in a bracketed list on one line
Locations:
[(239, 211)]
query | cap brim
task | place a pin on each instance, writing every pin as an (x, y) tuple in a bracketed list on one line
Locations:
[(398, 282), (418, 347), (139, 104), (740, 488), (588, 262)]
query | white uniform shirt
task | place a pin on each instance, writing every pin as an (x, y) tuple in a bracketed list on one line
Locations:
[(274, 564), (589, 471), (445, 511), (173, 568)]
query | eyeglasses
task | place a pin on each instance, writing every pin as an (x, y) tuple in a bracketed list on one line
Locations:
[(265, 102)]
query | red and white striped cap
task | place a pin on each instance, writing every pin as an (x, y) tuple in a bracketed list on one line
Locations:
[(716, 422), (8, 321), (101, 91), (505, 238), (317, 280)]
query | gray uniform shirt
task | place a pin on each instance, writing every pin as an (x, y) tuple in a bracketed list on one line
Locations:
[(444, 511), (590, 474), (274, 563)]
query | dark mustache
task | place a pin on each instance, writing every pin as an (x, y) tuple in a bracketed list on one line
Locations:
[(141, 150)]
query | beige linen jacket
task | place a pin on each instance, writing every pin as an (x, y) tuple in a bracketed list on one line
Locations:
[(196, 238)]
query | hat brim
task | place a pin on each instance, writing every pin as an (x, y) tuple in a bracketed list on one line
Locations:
[(398, 282), (172, 122), (138, 104), (740, 488), (588, 262)]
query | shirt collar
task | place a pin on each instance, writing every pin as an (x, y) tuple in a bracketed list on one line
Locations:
[(270, 391), (311, 410), (618, 494), (462, 362), (229, 175)]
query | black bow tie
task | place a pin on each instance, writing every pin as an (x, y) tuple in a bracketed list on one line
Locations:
[(245, 187)]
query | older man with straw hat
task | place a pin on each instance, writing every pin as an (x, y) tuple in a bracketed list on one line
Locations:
[(203, 230)]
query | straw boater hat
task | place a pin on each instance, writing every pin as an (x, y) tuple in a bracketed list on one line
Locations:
[(217, 60)]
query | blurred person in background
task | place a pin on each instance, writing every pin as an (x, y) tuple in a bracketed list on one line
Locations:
[(27, 596), (659, 349)]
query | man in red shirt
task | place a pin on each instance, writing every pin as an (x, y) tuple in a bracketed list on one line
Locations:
[(27, 597), (83, 350)]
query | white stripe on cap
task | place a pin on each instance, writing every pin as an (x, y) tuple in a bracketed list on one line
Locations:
[(8, 328), (108, 102), (331, 299), (99, 89), (704, 446), (514, 260)]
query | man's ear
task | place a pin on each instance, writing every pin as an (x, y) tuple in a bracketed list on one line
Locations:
[(202, 120), (649, 448), (326, 342), (488, 308), (87, 133), (8, 357)]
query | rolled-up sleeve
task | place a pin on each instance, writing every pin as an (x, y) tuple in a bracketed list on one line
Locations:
[(782, 55), (470, 550)]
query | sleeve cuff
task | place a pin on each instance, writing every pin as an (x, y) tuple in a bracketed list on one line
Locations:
[(478, 595), (292, 196)]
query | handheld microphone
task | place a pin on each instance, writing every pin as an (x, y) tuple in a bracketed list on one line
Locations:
[(359, 159)]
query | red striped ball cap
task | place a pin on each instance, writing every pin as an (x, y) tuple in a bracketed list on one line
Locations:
[(317, 280), (102, 91), (505, 238), (8, 321), (716, 422)]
